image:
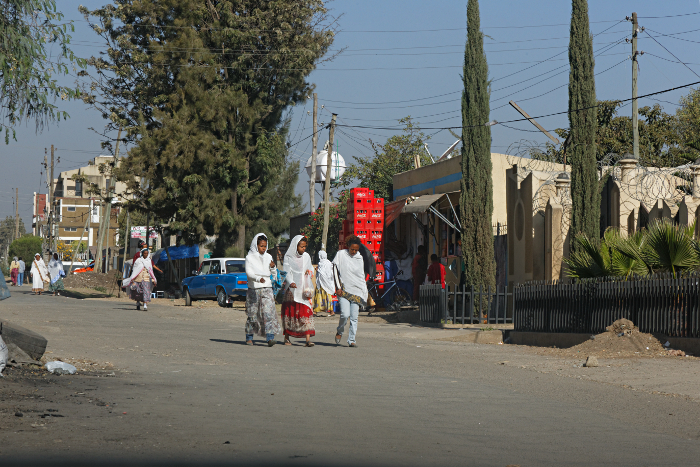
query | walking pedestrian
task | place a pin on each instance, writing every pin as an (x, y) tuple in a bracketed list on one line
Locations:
[(297, 316), (14, 270), (56, 274), (436, 271), (20, 273), (351, 288), (40, 274), (141, 281), (418, 269), (259, 300), (323, 296)]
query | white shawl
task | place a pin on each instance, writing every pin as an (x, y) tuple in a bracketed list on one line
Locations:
[(296, 266), (257, 266), (324, 278), (55, 268), (39, 269), (137, 268), (352, 273)]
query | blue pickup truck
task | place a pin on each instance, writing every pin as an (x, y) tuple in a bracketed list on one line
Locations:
[(217, 278)]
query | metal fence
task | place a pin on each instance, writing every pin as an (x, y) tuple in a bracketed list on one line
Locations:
[(655, 305), (465, 305)]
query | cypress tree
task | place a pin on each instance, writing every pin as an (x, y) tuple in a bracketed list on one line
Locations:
[(585, 194), (476, 199)]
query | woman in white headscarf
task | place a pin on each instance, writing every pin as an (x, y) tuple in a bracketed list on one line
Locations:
[(297, 316), (259, 300), (56, 274), (323, 296), (352, 289), (141, 281), (40, 274)]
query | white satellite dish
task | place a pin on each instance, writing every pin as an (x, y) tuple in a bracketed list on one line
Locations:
[(337, 166)]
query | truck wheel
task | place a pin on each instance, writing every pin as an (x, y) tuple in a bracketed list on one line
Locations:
[(32, 343), (188, 298), (221, 298)]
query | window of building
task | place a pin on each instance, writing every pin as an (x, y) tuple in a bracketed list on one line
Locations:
[(78, 188), (70, 229), (70, 208)]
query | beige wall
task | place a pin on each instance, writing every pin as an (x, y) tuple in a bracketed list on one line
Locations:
[(445, 177), (66, 186)]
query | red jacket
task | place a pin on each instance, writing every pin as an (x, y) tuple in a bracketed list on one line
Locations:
[(436, 274)]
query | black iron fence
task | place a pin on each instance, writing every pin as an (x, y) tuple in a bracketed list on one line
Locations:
[(465, 305), (655, 305)]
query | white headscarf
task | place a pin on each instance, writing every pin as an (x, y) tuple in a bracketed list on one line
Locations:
[(139, 266), (254, 245), (325, 273), (296, 266)]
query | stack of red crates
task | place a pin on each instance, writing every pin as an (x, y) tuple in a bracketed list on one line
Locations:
[(365, 219)]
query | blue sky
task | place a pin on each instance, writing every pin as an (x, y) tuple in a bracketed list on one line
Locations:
[(404, 57)]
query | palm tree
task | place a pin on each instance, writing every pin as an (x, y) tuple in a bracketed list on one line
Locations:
[(670, 248)]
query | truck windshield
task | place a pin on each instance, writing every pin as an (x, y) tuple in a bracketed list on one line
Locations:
[(235, 266)]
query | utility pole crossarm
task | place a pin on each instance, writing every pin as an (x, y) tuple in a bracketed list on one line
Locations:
[(532, 120)]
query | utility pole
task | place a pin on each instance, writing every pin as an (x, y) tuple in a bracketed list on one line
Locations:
[(127, 240), (314, 139), (327, 190), (16, 213), (51, 213), (107, 214), (635, 70), (80, 242)]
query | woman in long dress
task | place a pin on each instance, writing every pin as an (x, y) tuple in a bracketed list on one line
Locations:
[(352, 294), (141, 281), (14, 270), (297, 316), (40, 274), (260, 301), (56, 273), (323, 296)]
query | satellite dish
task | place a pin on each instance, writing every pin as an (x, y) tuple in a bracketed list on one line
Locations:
[(337, 166)]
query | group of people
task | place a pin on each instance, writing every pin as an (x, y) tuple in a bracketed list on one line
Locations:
[(17, 268), (43, 275), (424, 273), (344, 278)]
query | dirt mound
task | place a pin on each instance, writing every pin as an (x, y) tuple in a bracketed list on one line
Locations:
[(91, 280), (622, 339)]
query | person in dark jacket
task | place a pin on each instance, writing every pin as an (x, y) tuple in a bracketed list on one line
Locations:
[(418, 269)]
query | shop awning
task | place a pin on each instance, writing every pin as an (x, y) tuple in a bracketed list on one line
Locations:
[(176, 252), (426, 203)]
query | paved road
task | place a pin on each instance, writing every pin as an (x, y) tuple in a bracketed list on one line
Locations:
[(188, 385)]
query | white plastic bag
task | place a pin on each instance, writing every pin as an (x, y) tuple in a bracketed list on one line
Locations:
[(308, 288), (3, 355), (66, 368)]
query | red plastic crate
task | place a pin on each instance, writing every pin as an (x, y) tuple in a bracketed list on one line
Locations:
[(369, 223), (356, 193), (376, 234), (378, 203), (370, 194), (348, 225), (359, 224), (379, 276), (378, 245), (376, 214), (377, 257), (360, 203), (369, 244), (360, 214), (378, 224), (362, 235)]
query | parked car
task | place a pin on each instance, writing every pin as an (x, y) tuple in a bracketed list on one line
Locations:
[(218, 278)]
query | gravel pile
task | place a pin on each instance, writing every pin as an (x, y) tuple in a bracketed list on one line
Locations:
[(91, 280)]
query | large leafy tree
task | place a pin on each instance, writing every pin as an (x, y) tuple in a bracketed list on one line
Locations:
[(395, 156), (585, 194), (7, 231), (28, 72), (202, 88), (476, 198)]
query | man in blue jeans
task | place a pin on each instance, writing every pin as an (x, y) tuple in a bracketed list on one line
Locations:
[(20, 274)]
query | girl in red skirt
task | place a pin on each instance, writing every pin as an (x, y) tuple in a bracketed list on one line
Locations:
[(297, 315)]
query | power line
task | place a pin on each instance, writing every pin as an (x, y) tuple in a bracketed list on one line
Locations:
[(537, 117), (672, 54), (669, 16)]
